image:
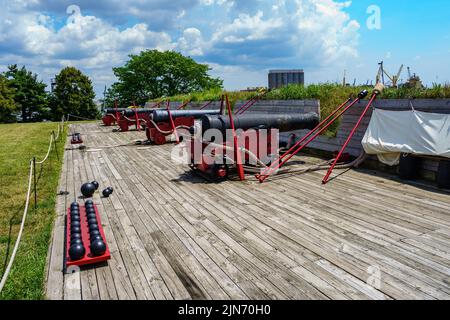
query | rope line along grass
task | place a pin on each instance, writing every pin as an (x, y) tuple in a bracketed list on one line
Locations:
[(19, 237), (26, 265), (50, 146)]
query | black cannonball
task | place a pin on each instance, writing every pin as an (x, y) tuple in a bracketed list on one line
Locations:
[(94, 233), (90, 211), (96, 184), (75, 217), (74, 236), (89, 202), (77, 252), (107, 192), (74, 205), (87, 190), (98, 248), (75, 230), (93, 226), (91, 217), (95, 238), (72, 210), (76, 241), (92, 221), (75, 224)]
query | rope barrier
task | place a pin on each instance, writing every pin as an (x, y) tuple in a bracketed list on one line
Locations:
[(48, 152), (60, 128), (32, 173), (19, 237)]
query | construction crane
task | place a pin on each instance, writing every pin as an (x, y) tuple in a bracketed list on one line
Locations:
[(394, 79), (413, 81), (380, 74)]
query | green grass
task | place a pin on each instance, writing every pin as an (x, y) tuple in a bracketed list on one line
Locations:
[(330, 95), (18, 144)]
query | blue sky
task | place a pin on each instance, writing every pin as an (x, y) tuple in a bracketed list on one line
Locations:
[(240, 40)]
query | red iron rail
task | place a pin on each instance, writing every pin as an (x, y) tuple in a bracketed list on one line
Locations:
[(184, 105), (136, 116), (375, 93), (321, 127), (172, 123), (237, 153), (206, 105), (250, 103)]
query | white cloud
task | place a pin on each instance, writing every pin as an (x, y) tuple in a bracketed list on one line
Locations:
[(88, 43), (236, 37), (247, 27), (191, 42), (312, 32)]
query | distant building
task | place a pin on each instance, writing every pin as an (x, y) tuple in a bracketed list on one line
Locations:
[(281, 78)]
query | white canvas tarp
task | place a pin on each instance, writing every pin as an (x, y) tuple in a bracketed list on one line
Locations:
[(391, 133)]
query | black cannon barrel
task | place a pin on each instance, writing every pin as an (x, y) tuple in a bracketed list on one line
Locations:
[(283, 122), (113, 111), (161, 115), (129, 112)]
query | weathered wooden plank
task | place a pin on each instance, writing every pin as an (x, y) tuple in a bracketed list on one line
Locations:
[(173, 236)]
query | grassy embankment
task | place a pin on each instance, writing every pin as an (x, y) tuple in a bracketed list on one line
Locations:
[(330, 95), (18, 144)]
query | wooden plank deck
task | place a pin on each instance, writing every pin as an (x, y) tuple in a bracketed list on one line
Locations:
[(174, 236)]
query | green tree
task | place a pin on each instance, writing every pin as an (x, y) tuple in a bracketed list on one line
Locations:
[(30, 95), (73, 94), (153, 74), (7, 104)]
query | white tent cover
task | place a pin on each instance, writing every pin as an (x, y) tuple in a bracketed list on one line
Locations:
[(391, 133)]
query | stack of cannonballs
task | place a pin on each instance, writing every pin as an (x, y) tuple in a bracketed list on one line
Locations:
[(77, 250), (90, 225), (98, 246)]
